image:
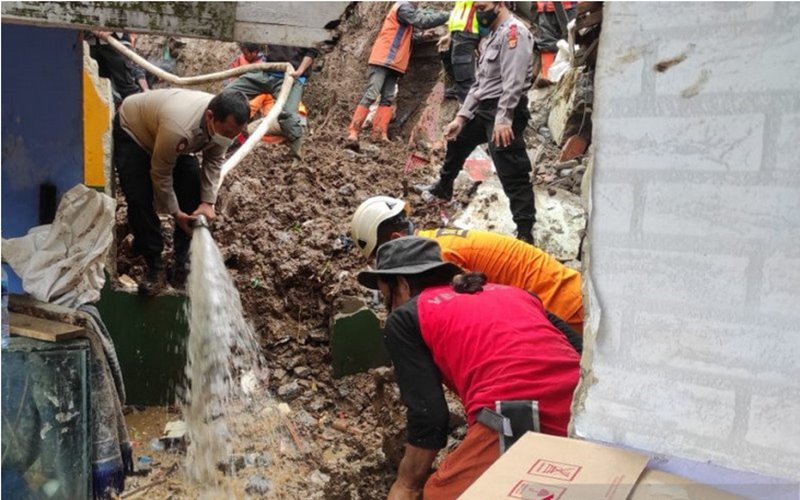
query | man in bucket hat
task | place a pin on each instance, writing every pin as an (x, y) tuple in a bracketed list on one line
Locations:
[(491, 344)]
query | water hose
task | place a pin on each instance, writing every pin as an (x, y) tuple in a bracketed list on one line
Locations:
[(264, 125)]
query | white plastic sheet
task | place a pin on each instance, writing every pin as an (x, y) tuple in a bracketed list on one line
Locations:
[(63, 262)]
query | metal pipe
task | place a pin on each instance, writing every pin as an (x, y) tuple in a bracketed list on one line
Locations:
[(200, 221), (263, 125)]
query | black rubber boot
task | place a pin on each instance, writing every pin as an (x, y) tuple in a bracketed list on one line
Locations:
[(525, 233), (154, 279), (441, 190)]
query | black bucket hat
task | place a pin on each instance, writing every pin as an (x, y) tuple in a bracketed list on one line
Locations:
[(408, 255)]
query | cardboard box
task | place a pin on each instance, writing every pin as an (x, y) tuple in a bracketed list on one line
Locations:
[(543, 467)]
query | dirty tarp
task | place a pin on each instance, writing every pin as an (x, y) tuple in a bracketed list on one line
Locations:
[(63, 262)]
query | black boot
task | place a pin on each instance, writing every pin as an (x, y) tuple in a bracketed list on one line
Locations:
[(177, 278), (154, 278), (525, 233), (441, 189)]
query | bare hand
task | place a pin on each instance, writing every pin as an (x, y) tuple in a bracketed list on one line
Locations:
[(184, 221), (400, 492), (502, 135), (207, 210), (443, 45), (452, 129), (428, 35), (295, 74), (102, 35)]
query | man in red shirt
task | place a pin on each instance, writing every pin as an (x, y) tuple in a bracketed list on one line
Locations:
[(491, 344)]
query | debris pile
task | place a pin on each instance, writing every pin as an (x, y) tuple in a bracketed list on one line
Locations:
[(282, 230)]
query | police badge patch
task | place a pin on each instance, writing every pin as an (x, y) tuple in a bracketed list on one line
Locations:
[(512, 36)]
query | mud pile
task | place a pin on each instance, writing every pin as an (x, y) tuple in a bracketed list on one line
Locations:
[(282, 230), (282, 233)]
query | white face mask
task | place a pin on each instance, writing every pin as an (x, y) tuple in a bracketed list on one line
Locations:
[(218, 139)]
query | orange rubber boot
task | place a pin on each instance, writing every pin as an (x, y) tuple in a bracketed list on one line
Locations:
[(380, 124), (359, 116)]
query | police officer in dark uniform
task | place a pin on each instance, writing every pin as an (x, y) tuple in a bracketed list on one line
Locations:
[(496, 111)]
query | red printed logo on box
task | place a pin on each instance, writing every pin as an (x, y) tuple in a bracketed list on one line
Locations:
[(554, 470), (535, 491)]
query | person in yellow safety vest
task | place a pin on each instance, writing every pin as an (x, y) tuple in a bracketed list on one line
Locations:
[(459, 60)]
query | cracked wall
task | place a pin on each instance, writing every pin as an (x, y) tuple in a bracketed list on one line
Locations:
[(693, 288)]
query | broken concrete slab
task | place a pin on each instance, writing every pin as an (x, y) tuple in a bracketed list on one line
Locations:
[(571, 106), (560, 218)]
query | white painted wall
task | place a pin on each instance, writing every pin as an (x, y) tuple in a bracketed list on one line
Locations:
[(695, 235)]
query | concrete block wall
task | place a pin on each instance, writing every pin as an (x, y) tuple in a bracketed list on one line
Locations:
[(695, 235)]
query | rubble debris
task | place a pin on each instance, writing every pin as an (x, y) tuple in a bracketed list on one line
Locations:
[(232, 464), (282, 227), (290, 391), (258, 485)]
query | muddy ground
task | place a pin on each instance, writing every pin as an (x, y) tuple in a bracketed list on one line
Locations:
[(282, 229)]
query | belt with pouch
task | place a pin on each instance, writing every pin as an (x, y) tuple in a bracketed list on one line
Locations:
[(511, 420)]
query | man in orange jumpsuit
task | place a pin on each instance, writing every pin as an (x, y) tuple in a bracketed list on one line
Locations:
[(503, 259)]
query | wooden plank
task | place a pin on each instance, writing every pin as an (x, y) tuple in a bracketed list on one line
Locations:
[(281, 35), (590, 20), (42, 329), (193, 19), (305, 14), (301, 24), (584, 7)]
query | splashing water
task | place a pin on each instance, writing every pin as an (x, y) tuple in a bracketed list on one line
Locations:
[(221, 346)]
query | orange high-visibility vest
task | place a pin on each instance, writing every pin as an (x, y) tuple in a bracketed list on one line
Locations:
[(392, 48)]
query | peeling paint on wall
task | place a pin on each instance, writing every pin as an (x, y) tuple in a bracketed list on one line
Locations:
[(97, 118)]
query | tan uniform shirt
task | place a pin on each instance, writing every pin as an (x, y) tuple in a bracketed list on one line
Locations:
[(168, 123), (505, 71)]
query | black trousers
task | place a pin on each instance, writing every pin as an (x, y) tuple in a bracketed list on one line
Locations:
[(512, 163), (459, 61), (133, 167)]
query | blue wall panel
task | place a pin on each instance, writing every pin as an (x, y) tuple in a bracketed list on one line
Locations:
[(42, 121)]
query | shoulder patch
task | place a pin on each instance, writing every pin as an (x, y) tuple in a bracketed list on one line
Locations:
[(512, 36), (182, 145)]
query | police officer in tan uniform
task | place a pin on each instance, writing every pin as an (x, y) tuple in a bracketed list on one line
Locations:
[(496, 111), (156, 137)]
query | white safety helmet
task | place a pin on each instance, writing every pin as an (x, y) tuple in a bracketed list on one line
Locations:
[(368, 216)]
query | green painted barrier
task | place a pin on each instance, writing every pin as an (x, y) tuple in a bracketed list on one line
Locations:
[(356, 339), (149, 334)]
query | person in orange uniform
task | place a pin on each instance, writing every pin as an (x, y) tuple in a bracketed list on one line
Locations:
[(493, 346), (503, 259), (252, 54), (388, 61)]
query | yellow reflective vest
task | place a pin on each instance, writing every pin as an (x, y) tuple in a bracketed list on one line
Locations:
[(463, 18)]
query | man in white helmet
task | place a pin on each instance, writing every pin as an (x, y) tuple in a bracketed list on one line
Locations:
[(503, 259)]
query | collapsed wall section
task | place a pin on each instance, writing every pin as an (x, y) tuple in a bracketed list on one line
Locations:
[(694, 228)]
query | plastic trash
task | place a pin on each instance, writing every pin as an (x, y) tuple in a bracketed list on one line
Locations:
[(561, 63), (156, 445)]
